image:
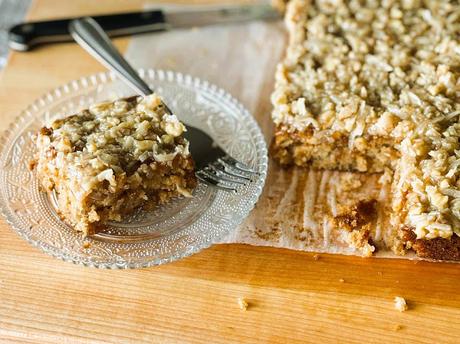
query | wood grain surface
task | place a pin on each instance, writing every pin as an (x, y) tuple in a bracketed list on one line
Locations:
[(293, 297)]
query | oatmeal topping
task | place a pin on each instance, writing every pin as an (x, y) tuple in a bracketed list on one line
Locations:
[(111, 137), (361, 67)]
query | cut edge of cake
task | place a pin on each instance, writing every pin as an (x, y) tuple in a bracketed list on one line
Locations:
[(358, 129)]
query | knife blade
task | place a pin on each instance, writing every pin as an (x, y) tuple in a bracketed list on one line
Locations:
[(25, 36)]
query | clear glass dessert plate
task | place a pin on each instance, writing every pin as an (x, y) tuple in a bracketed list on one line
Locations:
[(167, 233)]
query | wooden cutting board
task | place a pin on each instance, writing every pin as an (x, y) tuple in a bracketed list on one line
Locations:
[(293, 297)]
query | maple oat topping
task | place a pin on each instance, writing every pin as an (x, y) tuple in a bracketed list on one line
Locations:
[(365, 67), (111, 138)]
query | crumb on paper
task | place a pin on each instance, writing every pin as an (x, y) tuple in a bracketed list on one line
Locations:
[(316, 257), (243, 304), (398, 327), (400, 304), (86, 244), (341, 280)]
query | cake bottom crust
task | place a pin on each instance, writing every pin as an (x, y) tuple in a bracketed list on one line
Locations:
[(331, 151), (437, 248)]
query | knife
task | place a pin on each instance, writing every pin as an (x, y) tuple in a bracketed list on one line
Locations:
[(25, 36)]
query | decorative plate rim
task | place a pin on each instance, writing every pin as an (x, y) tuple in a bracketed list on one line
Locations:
[(108, 77)]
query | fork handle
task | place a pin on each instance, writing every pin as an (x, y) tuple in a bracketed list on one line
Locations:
[(91, 37)]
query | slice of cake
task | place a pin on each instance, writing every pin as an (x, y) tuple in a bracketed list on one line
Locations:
[(374, 86), (113, 158)]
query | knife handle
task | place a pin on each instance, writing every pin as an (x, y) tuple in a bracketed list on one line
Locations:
[(24, 36)]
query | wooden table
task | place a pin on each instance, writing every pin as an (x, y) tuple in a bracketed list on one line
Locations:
[(293, 297)]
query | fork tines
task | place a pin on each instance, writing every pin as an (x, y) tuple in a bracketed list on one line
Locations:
[(227, 174)]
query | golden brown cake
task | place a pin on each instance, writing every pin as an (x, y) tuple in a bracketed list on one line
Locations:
[(113, 158), (373, 86)]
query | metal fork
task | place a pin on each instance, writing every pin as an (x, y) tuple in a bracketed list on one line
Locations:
[(214, 166)]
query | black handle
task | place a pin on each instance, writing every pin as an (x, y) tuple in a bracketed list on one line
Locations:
[(24, 36)]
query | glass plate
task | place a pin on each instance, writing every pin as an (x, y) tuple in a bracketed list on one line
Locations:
[(173, 231)]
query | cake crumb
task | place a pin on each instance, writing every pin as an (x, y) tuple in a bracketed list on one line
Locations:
[(400, 304), (31, 165), (341, 280), (86, 244), (243, 304), (316, 257), (171, 62)]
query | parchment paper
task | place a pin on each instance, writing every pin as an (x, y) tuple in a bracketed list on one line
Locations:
[(296, 206)]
